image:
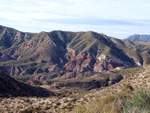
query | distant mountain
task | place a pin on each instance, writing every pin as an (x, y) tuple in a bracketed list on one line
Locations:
[(61, 55), (145, 38), (11, 87)]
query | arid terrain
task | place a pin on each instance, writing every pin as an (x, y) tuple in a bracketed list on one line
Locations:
[(61, 71), (68, 102)]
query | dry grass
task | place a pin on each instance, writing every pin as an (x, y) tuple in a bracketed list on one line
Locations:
[(112, 103)]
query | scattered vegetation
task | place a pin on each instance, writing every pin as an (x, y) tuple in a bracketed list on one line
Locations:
[(112, 103), (139, 103), (124, 101)]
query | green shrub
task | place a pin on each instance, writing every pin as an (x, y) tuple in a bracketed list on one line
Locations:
[(140, 102), (112, 103), (142, 99)]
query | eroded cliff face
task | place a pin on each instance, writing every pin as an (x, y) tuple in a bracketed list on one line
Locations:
[(79, 63), (75, 64), (83, 63)]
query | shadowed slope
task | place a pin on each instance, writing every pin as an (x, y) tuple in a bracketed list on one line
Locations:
[(11, 87)]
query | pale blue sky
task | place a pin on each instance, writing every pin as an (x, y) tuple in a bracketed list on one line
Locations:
[(116, 18)]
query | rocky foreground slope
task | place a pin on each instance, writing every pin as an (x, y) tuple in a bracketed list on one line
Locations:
[(64, 55), (139, 78), (136, 78)]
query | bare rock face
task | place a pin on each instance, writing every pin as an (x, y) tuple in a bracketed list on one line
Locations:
[(84, 63), (104, 66), (79, 63)]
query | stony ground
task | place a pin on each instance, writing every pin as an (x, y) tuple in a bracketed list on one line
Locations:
[(48, 105), (140, 79)]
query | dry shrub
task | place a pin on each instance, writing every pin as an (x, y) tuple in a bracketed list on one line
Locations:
[(98, 106), (112, 103)]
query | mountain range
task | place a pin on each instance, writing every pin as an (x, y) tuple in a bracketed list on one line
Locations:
[(79, 69), (145, 38), (37, 58)]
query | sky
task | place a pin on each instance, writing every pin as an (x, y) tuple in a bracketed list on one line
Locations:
[(116, 18)]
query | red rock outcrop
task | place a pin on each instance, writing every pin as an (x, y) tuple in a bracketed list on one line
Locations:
[(79, 63), (100, 66)]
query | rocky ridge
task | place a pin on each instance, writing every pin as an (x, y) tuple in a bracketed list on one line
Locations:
[(49, 55)]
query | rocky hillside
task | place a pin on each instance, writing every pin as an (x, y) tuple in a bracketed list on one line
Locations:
[(135, 78), (138, 78), (9, 87), (66, 55), (145, 38)]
